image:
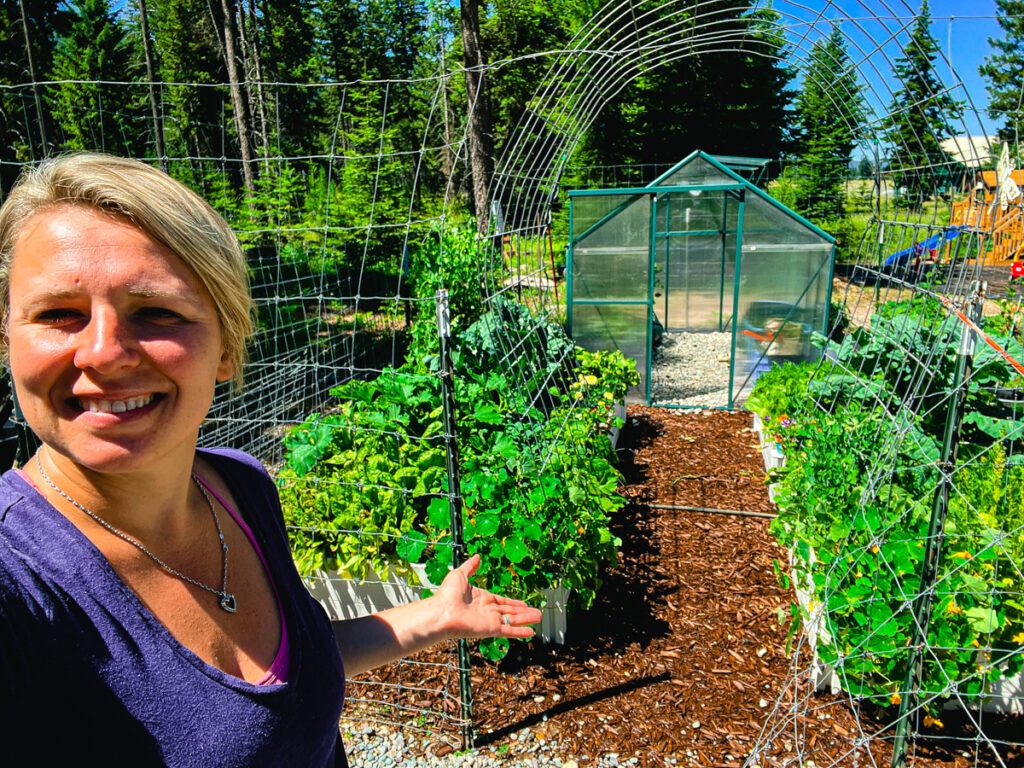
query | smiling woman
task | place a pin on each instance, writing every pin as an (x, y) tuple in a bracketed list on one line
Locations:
[(149, 607)]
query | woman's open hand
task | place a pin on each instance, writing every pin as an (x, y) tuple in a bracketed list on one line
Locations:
[(471, 612)]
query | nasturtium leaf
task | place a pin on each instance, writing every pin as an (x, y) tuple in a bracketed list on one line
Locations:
[(439, 565), (533, 531), (494, 648), (486, 524), (439, 513), (515, 550), (411, 546)]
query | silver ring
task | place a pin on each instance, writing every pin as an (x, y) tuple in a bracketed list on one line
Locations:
[(504, 617)]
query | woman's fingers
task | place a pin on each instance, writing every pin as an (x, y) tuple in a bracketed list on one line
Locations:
[(470, 566)]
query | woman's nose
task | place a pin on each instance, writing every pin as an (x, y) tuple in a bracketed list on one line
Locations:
[(106, 343)]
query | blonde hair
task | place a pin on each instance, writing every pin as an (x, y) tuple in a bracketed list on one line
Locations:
[(163, 208)]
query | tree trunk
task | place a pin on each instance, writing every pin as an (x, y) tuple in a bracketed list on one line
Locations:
[(32, 74), (237, 102), (447, 155), (479, 132), (251, 52), (158, 128)]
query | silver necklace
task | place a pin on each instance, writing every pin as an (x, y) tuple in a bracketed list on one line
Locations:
[(227, 600)]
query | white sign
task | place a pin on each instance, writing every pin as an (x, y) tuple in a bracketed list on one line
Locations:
[(1008, 189)]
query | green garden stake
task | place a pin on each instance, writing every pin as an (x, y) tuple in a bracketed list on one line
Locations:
[(444, 332)]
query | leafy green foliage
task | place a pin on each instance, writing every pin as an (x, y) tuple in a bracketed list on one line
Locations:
[(536, 353), (366, 486), (450, 259), (857, 538)]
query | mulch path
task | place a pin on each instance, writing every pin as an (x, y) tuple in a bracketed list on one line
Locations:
[(682, 657)]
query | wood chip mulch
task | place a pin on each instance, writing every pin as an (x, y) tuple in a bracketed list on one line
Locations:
[(681, 660)]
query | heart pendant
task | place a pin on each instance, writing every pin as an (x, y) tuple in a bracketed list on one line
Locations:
[(227, 602)]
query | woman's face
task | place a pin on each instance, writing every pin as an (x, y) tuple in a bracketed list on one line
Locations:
[(115, 345)]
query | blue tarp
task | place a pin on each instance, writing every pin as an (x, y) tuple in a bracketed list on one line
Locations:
[(918, 250)]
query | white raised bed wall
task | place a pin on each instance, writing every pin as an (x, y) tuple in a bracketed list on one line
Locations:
[(349, 599)]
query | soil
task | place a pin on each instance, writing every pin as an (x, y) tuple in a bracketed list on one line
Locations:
[(681, 660)]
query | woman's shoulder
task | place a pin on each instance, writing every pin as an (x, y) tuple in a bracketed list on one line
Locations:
[(234, 461), (242, 481)]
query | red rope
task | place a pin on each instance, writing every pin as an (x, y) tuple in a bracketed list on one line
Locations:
[(988, 339)]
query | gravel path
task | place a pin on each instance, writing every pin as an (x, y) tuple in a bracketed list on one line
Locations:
[(692, 369), (385, 747)]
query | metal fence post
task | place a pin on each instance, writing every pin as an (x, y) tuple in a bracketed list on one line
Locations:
[(922, 607), (444, 332)]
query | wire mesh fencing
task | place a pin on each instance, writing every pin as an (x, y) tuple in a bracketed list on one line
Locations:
[(348, 175)]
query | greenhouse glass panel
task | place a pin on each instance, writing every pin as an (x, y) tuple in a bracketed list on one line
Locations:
[(783, 281), (611, 257), (694, 261), (607, 327), (697, 171)]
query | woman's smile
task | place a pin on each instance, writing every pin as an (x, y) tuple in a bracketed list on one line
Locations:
[(96, 405)]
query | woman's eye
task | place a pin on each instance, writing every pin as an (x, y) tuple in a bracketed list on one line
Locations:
[(57, 315), (159, 314)]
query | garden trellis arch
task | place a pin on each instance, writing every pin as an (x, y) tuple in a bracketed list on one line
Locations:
[(627, 38), (322, 327)]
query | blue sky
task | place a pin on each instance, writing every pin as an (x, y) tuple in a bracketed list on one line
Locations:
[(876, 28)]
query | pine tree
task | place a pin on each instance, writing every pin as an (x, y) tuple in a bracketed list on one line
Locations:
[(1004, 70), (830, 112), (188, 59), (91, 114), (23, 121), (734, 101), (919, 117)]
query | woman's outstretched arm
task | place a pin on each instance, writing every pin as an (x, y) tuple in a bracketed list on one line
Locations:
[(456, 610)]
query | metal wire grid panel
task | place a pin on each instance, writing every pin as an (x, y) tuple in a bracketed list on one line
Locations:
[(330, 283)]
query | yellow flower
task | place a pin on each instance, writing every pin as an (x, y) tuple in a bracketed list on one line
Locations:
[(929, 721), (964, 555), (1019, 637), (975, 643), (590, 379), (895, 699), (874, 549), (953, 608)]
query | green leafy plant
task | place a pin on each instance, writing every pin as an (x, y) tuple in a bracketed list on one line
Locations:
[(857, 540), (366, 485), (450, 258)]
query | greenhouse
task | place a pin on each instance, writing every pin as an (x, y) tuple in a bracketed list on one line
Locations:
[(698, 261)]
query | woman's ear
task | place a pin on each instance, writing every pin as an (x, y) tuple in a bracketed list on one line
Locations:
[(226, 368)]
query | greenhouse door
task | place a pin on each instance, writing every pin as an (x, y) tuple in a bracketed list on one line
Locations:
[(695, 264), (610, 292)]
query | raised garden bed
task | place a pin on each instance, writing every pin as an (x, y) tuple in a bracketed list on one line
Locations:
[(345, 598), (1005, 696)]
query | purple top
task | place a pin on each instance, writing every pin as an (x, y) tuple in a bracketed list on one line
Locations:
[(90, 676)]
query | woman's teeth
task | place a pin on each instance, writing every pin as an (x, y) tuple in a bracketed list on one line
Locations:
[(114, 406)]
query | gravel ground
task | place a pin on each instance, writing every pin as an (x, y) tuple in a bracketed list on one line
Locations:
[(692, 369), (385, 747)]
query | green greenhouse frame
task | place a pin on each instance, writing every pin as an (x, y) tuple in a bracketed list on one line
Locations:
[(690, 252)]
